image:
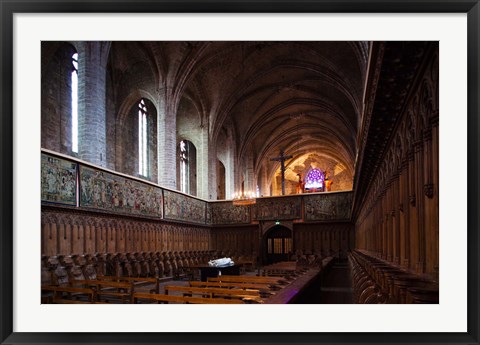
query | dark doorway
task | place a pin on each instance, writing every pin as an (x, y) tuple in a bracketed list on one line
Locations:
[(277, 244)]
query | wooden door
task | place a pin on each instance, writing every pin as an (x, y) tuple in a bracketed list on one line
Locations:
[(277, 244)]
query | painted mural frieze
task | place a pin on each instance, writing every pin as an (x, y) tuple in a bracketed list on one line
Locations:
[(331, 206), (184, 208), (104, 191), (58, 182), (277, 208), (227, 213)]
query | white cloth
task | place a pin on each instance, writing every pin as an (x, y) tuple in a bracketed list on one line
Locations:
[(223, 262)]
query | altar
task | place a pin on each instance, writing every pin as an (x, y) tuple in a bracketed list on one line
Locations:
[(211, 271)]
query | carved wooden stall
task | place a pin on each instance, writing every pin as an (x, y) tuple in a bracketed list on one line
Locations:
[(398, 219)]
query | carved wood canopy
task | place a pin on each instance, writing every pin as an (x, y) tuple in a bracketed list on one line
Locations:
[(393, 74)]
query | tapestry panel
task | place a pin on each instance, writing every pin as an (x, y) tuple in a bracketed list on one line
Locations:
[(277, 208), (209, 220), (105, 191), (58, 180), (227, 213), (330, 206), (184, 208)]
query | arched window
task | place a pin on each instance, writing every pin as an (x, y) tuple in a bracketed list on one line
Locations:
[(221, 188), (74, 94), (142, 139), (184, 171), (188, 167), (315, 180)]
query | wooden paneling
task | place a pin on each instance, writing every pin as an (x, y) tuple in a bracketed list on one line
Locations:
[(71, 232)]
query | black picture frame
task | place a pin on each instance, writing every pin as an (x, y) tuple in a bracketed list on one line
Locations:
[(10, 7)]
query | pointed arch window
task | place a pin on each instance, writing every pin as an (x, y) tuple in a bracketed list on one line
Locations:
[(184, 167), (142, 138), (74, 105), (187, 167), (315, 180)]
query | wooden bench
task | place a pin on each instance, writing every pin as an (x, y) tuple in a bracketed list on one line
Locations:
[(264, 289), (121, 290), (135, 280), (161, 298), (213, 292), (286, 269), (90, 293), (70, 301), (275, 281)]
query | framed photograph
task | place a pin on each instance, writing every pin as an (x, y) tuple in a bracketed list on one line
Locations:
[(24, 183)]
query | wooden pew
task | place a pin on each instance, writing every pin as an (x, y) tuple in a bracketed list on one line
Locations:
[(249, 279), (69, 301), (122, 290), (59, 290), (264, 289), (135, 280), (161, 298), (213, 292), (288, 269)]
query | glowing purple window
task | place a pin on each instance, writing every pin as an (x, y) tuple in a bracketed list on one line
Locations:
[(315, 179)]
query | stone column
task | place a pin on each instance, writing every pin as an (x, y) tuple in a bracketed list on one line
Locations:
[(265, 188), (207, 168), (92, 62), (167, 139), (211, 181), (250, 180)]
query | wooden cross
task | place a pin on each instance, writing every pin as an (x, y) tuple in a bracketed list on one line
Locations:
[(282, 158)]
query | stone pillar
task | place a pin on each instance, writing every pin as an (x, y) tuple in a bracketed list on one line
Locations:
[(167, 139), (230, 171), (250, 180), (211, 181), (92, 62), (265, 188), (207, 169)]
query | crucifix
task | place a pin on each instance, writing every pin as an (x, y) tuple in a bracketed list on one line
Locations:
[(282, 158)]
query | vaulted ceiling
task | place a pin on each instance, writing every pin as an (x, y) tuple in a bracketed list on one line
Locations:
[(300, 97)]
